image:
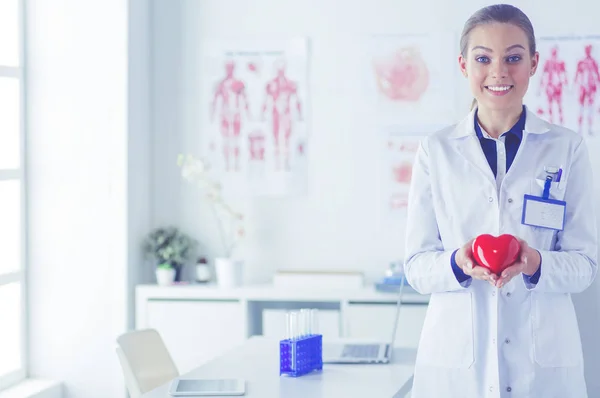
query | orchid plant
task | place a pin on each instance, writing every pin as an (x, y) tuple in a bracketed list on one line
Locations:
[(230, 222)]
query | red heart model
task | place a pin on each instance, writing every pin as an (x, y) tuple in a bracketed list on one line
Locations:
[(496, 253)]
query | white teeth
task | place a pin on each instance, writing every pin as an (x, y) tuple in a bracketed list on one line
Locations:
[(499, 88)]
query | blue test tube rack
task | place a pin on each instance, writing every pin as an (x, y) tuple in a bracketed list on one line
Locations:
[(300, 356)]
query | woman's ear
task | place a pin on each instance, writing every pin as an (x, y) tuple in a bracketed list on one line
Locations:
[(462, 64), (535, 60)]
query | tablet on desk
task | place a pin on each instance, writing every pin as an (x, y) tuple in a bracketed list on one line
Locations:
[(207, 387)]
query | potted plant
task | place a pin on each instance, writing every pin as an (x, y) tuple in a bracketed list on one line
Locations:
[(165, 274), (230, 223), (170, 249)]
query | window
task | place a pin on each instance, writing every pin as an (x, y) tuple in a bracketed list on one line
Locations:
[(12, 197)]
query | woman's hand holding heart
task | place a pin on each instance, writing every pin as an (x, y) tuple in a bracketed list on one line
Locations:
[(505, 256), (527, 263), (464, 259)]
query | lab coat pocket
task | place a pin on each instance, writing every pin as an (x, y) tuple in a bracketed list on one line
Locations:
[(556, 340), (556, 189), (447, 334)]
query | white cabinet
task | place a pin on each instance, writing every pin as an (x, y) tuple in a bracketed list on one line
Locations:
[(197, 331), (374, 321)]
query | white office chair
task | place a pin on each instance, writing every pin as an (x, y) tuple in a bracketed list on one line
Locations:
[(145, 360)]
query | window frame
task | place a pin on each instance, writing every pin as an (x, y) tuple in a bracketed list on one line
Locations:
[(19, 174)]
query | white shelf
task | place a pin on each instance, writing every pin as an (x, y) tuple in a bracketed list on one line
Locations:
[(270, 293)]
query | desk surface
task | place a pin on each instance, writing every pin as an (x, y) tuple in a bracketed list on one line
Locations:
[(257, 361)]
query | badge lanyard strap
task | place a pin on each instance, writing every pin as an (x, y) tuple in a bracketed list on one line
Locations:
[(547, 184)]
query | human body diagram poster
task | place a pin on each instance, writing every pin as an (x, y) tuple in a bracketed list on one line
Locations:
[(396, 172), (412, 82), (564, 89), (254, 97)]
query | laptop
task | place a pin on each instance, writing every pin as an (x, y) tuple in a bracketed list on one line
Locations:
[(358, 352)]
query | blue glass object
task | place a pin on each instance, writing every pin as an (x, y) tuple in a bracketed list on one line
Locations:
[(300, 356)]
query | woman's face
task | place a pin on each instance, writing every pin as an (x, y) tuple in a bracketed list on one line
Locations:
[(498, 65)]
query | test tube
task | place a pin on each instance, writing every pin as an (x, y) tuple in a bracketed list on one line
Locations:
[(288, 325), (314, 321), (293, 325), (304, 322)]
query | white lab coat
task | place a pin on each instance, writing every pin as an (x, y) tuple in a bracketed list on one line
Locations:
[(521, 340)]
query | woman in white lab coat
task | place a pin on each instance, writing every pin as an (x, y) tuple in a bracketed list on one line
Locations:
[(515, 335)]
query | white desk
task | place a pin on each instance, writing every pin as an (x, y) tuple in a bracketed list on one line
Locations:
[(257, 361)]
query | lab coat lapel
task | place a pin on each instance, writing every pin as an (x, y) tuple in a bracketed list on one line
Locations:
[(535, 125), (466, 144)]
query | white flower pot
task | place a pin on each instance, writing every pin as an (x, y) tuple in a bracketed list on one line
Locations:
[(229, 272), (202, 273), (165, 276)]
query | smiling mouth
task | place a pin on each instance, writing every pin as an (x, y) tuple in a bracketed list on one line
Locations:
[(503, 88)]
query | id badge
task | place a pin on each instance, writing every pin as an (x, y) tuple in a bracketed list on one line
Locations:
[(544, 213)]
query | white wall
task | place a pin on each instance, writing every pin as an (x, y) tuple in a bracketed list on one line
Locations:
[(139, 147), (336, 225), (88, 169)]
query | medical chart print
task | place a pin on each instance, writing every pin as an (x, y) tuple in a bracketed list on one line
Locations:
[(399, 153), (412, 80), (564, 89), (254, 97)]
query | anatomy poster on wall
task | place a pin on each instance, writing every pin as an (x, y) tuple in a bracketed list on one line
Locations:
[(254, 97), (412, 79), (564, 89), (399, 150), (397, 163)]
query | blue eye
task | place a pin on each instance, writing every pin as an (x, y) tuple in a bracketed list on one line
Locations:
[(513, 58), (482, 59)]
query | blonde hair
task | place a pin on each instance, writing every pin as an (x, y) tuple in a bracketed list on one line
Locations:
[(497, 13)]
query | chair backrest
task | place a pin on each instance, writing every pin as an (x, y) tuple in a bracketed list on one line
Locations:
[(145, 360)]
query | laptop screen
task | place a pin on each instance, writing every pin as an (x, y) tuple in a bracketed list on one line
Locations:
[(397, 316)]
